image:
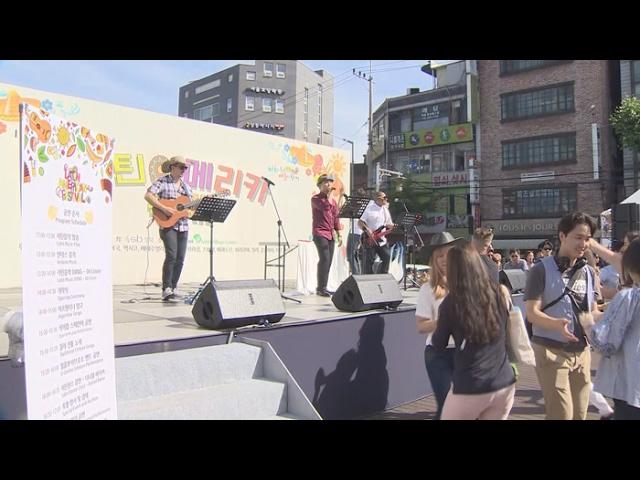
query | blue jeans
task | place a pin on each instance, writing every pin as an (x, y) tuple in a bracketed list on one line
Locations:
[(440, 370), (175, 249)]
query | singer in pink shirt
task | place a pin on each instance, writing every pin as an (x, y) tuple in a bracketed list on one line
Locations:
[(325, 221)]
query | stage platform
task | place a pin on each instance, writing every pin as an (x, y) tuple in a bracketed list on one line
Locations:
[(140, 316), (349, 365)]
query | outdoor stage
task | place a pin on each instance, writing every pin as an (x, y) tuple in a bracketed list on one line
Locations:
[(348, 364)]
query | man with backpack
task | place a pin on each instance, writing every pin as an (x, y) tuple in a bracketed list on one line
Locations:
[(558, 289)]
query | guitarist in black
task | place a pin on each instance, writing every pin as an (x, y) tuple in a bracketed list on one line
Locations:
[(174, 238), (376, 219)]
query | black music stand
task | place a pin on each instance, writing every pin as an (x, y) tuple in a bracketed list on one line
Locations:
[(353, 208), (213, 210), (409, 221)]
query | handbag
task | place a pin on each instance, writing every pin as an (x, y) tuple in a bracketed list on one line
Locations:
[(518, 345)]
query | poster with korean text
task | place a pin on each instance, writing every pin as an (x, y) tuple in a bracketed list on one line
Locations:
[(66, 223)]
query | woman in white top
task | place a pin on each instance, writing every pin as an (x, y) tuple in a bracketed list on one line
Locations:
[(439, 365)]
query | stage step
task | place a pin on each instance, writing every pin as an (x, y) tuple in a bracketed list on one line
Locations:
[(164, 373), (245, 400), (241, 380)]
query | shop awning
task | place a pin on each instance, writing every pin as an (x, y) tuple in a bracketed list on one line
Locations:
[(520, 244)]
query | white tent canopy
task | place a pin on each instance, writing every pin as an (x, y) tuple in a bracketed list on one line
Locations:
[(634, 198)]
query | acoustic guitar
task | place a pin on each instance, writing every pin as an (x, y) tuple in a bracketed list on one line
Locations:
[(182, 205)]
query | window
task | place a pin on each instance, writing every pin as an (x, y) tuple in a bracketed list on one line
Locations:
[(268, 69), (251, 75), (215, 109), (186, 94), (635, 88), (515, 66), (249, 103), (230, 78), (405, 122), (281, 70), (539, 202), (207, 86), (204, 114), (279, 106), (540, 102), (266, 104), (229, 104), (539, 151)]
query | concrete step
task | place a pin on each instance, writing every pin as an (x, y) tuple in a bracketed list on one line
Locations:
[(283, 417), (243, 400), (160, 374)]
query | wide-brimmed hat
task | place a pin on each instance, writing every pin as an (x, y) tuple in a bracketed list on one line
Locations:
[(167, 164), (442, 239), (323, 178)]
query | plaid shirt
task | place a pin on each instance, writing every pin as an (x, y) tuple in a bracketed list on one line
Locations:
[(166, 189)]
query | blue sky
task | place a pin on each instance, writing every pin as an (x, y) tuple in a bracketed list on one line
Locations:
[(153, 84)]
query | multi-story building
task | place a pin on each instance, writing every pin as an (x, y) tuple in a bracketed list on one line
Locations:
[(278, 97), (630, 85), (546, 147), (428, 137)]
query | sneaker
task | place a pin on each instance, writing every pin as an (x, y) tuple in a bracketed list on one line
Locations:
[(167, 294), (177, 294), (323, 293)]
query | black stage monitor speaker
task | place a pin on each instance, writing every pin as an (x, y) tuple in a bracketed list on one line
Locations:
[(626, 217), (514, 280), (233, 304), (367, 292)]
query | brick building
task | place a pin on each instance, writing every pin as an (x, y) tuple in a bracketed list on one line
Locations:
[(545, 145)]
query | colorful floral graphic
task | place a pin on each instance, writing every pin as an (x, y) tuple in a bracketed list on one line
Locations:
[(53, 139), (301, 161), (3, 128)]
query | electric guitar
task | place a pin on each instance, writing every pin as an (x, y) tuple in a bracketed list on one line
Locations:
[(375, 239), (184, 208)]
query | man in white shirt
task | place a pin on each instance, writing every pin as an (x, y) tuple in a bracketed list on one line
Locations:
[(375, 216)]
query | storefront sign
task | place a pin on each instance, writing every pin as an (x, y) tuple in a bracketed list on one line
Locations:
[(449, 179), (267, 126), (523, 227), (273, 91), (439, 136), (396, 141), (429, 112)]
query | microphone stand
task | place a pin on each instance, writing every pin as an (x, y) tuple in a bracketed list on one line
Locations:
[(281, 252), (411, 252)]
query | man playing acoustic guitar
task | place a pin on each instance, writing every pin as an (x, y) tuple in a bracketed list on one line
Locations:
[(376, 217), (170, 187)]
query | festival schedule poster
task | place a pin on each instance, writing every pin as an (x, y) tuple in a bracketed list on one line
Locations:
[(67, 268)]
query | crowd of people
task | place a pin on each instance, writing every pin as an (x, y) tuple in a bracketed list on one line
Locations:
[(575, 303), (581, 299)]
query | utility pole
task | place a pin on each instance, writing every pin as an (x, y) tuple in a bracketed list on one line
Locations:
[(369, 79)]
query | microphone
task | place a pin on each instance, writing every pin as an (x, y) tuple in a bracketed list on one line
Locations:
[(268, 181), (345, 196)]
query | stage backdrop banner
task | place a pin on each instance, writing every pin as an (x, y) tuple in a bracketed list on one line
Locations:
[(66, 265), (220, 158)]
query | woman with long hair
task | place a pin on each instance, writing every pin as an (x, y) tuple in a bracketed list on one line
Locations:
[(616, 335), (439, 365), (475, 313)]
